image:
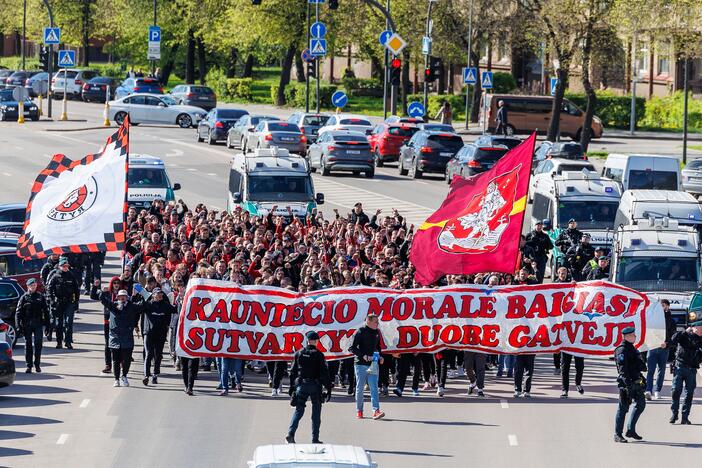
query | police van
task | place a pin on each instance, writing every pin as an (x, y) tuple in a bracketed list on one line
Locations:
[(644, 171), (585, 196), (641, 205), (660, 258), (148, 181), (271, 177)]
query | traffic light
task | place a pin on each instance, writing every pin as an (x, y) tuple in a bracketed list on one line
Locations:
[(432, 72), (333, 4), (311, 69), (44, 58), (255, 2), (395, 71)]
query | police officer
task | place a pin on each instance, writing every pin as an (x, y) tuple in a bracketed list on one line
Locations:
[(542, 245), (47, 270), (592, 263), (31, 317), (579, 255), (687, 360), (569, 237), (601, 271), (631, 383), (308, 376), (64, 292)]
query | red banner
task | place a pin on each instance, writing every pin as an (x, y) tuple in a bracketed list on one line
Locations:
[(220, 319)]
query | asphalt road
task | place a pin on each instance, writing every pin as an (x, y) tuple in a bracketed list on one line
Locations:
[(70, 416)]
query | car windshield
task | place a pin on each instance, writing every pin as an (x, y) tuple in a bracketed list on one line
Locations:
[(230, 113), (355, 122), (588, 214), (146, 82), (11, 265), (101, 80), (146, 177), (280, 188), (653, 180), (350, 138), (257, 119), (438, 128), (168, 100), (453, 142), (679, 274), (315, 120), (201, 90), (403, 131), (573, 168), (6, 96), (695, 164), (571, 149), (508, 142), (283, 127)]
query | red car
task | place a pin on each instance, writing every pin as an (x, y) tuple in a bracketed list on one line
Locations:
[(11, 266), (386, 139)]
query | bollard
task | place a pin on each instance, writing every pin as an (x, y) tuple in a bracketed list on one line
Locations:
[(20, 112), (106, 112), (41, 111)]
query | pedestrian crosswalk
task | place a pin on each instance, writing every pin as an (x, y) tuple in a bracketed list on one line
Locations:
[(344, 195)]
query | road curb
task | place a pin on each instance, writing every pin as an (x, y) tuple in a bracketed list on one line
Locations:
[(75, 129)]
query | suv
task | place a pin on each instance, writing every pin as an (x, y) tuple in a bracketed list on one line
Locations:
[(10, 293), (70, 80), (386, 139), (428, 152), (147, 181), (195, 95), (309, 124), (18, 78)]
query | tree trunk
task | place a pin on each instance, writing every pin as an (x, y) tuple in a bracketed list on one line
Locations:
[(348, 57), (405, 80), (190, 59), (562, 74), (475, 106), (231, 65), (489, 55), (285, 75), (86, 33), (168, 67), (331, 67), (650, 67), (441, 86), (299, 69), (202, 60), (586, 132), (248, 67), (449, 78)]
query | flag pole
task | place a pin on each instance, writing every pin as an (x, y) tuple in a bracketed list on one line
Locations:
[(531, 168)]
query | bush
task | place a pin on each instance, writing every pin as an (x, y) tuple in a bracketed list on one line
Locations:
[(113, 70), (457, 102), (613, 110), (15, 63), (295, 94), (362, 87), (667, 112), (503, 83), (229, 88)]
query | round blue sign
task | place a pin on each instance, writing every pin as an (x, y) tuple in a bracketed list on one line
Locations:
[(415, 109), (384, 36), (306, 56), (339, 99), (318, 30)]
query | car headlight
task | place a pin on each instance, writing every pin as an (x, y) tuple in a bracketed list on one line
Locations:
[(11, 108), (33, 108), (3, 107)]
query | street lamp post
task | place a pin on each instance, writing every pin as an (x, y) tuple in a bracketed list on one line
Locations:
[(50, 65), (686, 90), (470, 39), (634, 73), (153, 62), (386, 73), (24, 34), (427, 32)]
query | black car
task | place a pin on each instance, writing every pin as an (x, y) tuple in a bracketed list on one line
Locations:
[(4, 75), (18, 78), (96, 89), (7, 365), (216, 124), (428, 152), (497, 140), (9, 107), (472, 159), (561, 150), (10, 293)]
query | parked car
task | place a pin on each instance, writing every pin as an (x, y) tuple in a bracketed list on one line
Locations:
[(11, 228), (7, 364), (428, 152), (473, 159), (70, 80), (692, 177), (342, 150), (436, 127), (95, 89), (29, 83), (195, 95), (495, 140), (4, 74), (277, 133), (11, 266), (216, 124), (9, 107), (238, 133), (560, 150), (399, 119), (355, 123), (138, 85), (10, 293), (386, 139), (19, 78), (153, 108), (309, 124), (12, 212)]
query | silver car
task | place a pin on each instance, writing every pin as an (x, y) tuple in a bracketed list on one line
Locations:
[(237, 134), (195, 95), (692, 177), (277, 133), (154, 108), (342, 150)]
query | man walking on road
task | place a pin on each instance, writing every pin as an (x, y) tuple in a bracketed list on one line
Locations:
[(64, 292), (308, 376), (631, 383), (687, 361), (502, 120), (123, 319), (31, 318), (157, 313), (366, 349), (657, 358)]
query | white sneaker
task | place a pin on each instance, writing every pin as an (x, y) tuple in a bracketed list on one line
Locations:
[(526, 395), (451, 374), (517, 394), (440, 391), (426, 386), (116, 384), (461, 372), (647, 395), (125, 381), (657, 395), (415, 392), (274, 392), (471, 388)]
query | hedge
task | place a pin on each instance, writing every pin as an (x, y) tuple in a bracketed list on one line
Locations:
[(229, 88), (295, 95), (613, 110), (667, 112), (362, 87), (457, 102)]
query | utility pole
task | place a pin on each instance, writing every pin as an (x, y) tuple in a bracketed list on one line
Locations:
[(153, 62), (51, 59), (686, 90), (24, 34), (634, 72), (470, 38), (307, 68), (427, 33), (386, 73), (317, 58)]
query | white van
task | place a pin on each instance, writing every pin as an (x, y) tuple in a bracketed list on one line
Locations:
[(638, 206), (644, 171), (311, 456)]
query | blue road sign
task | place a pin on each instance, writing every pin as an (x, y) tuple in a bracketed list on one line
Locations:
[(318, 47), (384, 36), (554, 83), (52, 36), (318, 30), (486, 80), (154, 34), (470, 75), (306, 56), (415, 109), (315, 1), (339, 99), (66, 58)]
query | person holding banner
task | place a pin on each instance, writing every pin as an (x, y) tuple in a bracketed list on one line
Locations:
[(123, 319), (366, 349), (631, 383)]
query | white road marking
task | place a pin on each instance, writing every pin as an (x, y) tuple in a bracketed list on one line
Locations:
[(212, 174), (199, 147), (192, 169), (19, 148), (62, 439), (504, 404), (7, 174), (513, 442), (85, 403), (175, 152)]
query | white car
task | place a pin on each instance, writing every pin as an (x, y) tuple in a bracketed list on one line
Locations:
[(155, 108), (311, 456), (352, 122), (70, 80)]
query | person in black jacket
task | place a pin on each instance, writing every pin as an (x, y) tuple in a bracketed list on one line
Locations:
[(601, 271), (156, 313), (631, 383), (657, 358), (31, 317), (687, 360), (308, 376), (366, 349), (542, 245), (114, 288), (580, 255), (64, 292), (502, 119), (357, 216), (123, 319), (569, 237)]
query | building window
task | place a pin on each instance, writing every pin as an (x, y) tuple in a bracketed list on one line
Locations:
[(664, 59), (642, 60)]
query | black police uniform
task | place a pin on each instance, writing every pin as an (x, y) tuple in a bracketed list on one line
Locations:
[(578, 257), (568, 238), (64, 291), (598, 273), (31, 317), (631, 383), (688, 356), (308, 376), (542, 245)]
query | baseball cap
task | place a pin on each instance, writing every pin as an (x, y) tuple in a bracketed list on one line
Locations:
[(156, 291), (31, 281), (63, 261), (122, 292), (312, 335), (628, 331), (571, 220)]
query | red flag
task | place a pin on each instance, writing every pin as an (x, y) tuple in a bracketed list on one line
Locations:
[(478, 225)]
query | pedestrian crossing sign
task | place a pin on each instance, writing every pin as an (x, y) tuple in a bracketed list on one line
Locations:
[(318, 47), (486, 81), (67, 58), (52, 36), (470, 75)]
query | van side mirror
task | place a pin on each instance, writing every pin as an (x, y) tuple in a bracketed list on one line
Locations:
[(319, 198), (176, 186), (237, 197)]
